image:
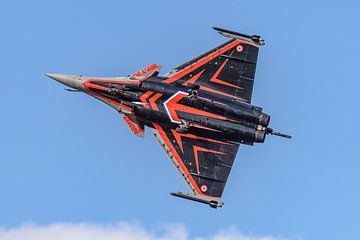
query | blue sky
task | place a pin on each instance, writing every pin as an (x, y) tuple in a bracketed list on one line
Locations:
[(66, 158)]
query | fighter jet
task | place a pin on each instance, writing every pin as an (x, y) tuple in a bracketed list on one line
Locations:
[(200, 112)]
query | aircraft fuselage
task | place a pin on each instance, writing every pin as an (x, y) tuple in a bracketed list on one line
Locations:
[(188, 107)]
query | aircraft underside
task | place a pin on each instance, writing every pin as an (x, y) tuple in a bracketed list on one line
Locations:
[(200, 112)]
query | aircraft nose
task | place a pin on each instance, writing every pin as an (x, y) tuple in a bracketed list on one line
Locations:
[(70, 80)]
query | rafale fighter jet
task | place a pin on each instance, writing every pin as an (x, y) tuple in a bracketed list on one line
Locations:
[(200, 112)]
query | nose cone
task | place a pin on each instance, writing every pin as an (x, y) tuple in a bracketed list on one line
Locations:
[(70, 80)]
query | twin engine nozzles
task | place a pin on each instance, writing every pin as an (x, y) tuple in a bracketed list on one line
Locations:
[(263, 129), (264, 119)]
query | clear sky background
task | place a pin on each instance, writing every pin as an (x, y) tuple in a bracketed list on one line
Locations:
[(67, 158)]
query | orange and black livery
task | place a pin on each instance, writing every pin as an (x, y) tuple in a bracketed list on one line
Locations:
[(200, 112)]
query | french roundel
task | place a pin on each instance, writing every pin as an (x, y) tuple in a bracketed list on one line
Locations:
[(239, 48), (203, 188)]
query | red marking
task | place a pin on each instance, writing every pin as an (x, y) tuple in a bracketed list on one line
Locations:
[(119, 81), (135, 128), (97, 86), (198, 149), (153, 99), (145, 70), (178, 139), (219, 81), (172, 106), (205, 60), (194, 78), (154, 73), (87, 84), (221, 93), (144, 97), (189, 135), (105, 89)]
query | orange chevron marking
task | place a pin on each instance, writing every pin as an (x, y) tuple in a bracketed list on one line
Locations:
[(172, 106), (178, 159), (194, 78), (201, 149), (219, 81), (144, 97), (189, 135), (203, 61), (221, 93), (153, 99)]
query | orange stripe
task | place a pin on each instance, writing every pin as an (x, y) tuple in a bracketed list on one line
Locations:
[(194, 78), (205, 60), (97, 87), (105, 98), (198, 149), (178, 159), (174, 106), (178, 139), (221, 93), (144, 97), (219, 81), (201, 62), (119, 81), (153, 99), (189, 135)]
